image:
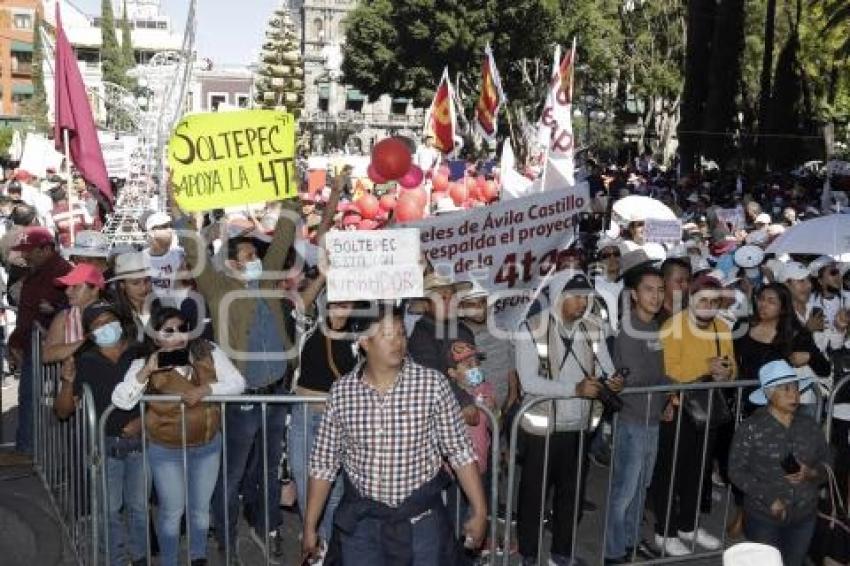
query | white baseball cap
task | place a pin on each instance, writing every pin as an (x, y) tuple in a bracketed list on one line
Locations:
[(792, 271), (763, 218), (748, 257)]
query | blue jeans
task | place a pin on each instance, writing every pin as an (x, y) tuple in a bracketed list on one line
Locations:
[(202, 473), (244, 439), (299, 448), (23, 436), (791, 539), (363, 546), (635, 448), (127, 492)]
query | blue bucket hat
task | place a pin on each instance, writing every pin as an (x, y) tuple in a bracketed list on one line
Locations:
[(777, 372)]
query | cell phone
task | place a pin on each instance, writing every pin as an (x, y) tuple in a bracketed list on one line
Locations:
[(172, 359), (790, 465)]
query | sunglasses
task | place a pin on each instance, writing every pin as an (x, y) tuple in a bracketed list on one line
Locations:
[(606, 255), (169, 330), (162, 227)]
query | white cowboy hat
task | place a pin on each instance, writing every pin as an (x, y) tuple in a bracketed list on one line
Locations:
[(130, 266)]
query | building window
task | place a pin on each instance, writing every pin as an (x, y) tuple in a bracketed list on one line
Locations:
[(23, 21), (399, 106), (243, 100), (354, 100), (216, 100), (318, 29)]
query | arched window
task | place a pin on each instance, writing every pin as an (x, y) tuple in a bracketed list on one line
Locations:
[(318, 29)]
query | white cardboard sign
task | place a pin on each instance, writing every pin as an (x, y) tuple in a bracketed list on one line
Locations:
[(663, 231), (374, 265)]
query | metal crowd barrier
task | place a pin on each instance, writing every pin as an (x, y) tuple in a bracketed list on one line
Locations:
[(264, 401), (65, 458), (706, 459)]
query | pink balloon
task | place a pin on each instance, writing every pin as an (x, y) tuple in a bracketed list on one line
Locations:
[(367, 224), (413, 178), (368, 206), (387, 202), (374, 175), (408, 208)]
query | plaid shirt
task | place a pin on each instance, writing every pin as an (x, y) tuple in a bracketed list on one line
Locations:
[(390, 444)]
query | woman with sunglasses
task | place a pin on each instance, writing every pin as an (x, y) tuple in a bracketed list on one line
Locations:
[(192, 368)]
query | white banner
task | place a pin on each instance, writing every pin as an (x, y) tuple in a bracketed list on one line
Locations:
[(731, 218), (39, 155), (508, 247), (663, 231), (555, 129), (379, 265), (117, 153)]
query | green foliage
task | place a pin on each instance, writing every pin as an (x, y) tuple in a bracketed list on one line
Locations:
[(280, 79), (127, 56), (114, 69), (6, 135), (35, 109)]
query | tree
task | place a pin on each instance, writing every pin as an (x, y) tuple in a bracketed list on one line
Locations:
[(36, 107), (280, 80), (765, 82), (701, 19), (114, 69), (127, 55)]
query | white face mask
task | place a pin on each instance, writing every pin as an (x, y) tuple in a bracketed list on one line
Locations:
[(253, 270), (108, 334)]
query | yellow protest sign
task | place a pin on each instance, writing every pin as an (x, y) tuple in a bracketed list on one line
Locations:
[(224, 159)]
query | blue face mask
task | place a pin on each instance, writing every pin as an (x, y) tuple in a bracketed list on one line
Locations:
[(253, 270), (108, 334), (474, 376)]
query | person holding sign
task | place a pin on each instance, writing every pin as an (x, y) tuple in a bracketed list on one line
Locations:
[(249, 321)]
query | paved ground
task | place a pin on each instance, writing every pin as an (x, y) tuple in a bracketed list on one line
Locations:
[(29, 528)]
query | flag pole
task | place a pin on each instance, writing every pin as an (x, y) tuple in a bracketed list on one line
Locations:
[(66, 143)]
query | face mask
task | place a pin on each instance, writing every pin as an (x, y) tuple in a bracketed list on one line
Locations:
[(108, 334), (474, 376), (253, 270)]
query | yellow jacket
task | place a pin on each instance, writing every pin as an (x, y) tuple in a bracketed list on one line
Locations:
[(688, 349)]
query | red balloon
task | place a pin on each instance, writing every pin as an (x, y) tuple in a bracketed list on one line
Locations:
[(459, 193), (367, 224), (413, 178), (376, 177), (368, 206), (490, 191), (441, 182), (387, 203), (391, 158), (408, 208)]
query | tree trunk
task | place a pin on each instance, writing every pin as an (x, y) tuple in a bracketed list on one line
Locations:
[(765, 86), (700, 28)]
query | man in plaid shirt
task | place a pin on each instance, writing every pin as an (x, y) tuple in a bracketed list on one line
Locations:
[(389, 424)]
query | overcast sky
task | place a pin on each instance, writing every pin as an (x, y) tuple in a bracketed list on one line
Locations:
[(229, 31)]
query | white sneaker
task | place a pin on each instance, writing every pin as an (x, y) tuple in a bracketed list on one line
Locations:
[(671, 546), (705, 540)]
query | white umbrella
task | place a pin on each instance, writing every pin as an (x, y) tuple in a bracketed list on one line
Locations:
[(828, 235), (636, 208)]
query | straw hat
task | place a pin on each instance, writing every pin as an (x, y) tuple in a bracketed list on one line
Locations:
[(131, 266)]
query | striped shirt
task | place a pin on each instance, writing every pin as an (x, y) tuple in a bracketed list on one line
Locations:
[(390, 443)]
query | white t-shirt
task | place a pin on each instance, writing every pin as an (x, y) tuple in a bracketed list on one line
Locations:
[(164, 268)]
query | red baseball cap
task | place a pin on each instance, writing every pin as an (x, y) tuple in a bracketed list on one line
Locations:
[(83, 273), (33, 237)]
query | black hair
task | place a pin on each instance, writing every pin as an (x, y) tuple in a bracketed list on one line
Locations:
[(787, 325), (58, 194), (633, 277), (375, 313), (14, 186), (22, 214), (198, 347), (233, 246), (673, 262)]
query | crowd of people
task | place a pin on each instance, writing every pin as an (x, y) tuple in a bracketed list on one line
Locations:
[(402, 394)]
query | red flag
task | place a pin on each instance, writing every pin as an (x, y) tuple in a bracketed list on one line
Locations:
[(440, 121), (492, 97), (73, 113)]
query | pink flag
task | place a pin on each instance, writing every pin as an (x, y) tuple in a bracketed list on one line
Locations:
[(73, 113)]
